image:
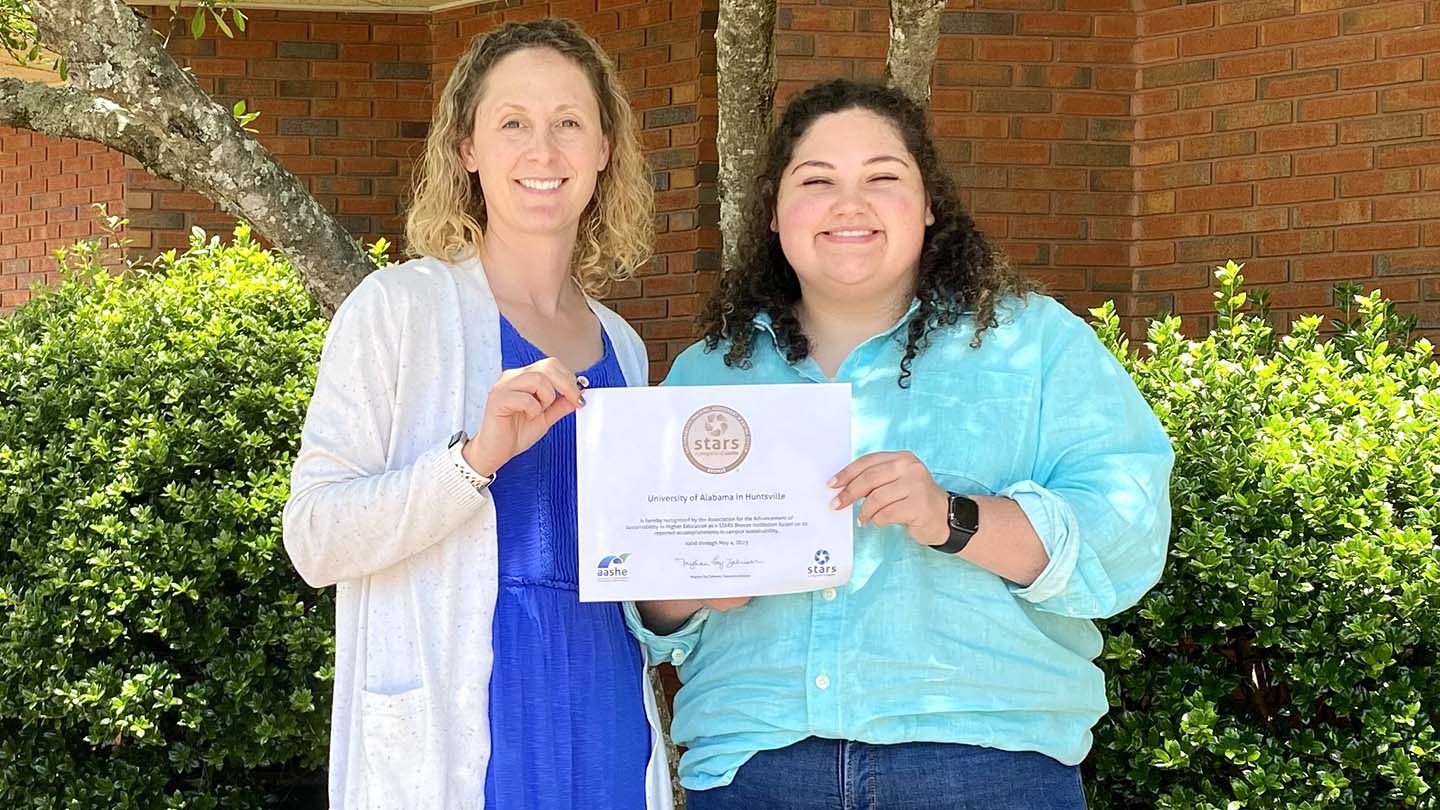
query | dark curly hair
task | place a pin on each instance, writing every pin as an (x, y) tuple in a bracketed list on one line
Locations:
[(960, 271)]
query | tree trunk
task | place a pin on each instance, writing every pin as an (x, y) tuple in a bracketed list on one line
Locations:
[(914, 36), (127, 93), (745, 64)]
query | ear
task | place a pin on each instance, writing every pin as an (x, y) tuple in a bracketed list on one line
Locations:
[(775, 223), (604, 153), (929, 213), (467, 155)]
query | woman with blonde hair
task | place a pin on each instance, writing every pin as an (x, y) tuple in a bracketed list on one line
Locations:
[(467, 672)]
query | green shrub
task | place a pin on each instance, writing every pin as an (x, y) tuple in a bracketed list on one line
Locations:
[(156, 648), (1288, 657)]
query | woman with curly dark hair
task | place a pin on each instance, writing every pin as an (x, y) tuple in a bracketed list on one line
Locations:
[(1011, 486)]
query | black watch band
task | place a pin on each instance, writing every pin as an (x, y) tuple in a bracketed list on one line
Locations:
[(964, 520)]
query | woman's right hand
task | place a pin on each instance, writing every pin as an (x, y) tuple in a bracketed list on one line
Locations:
[(522, 406)]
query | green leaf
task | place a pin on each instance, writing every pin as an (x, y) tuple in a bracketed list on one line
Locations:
[(197, 25)]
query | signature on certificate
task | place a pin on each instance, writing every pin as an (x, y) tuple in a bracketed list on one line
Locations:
[(716, 563)]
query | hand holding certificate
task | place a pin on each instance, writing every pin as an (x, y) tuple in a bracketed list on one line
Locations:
[(711, 491)]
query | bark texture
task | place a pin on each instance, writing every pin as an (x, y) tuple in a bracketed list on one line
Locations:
[(914, 36), (126, 92), (745, 64)]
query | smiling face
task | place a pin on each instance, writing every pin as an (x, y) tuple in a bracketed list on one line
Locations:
[(536, 143), (851, 210)]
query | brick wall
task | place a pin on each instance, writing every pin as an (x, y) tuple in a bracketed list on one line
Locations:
[(1299, 136), (1031, 112), (344, 103), (47, 188), (1116, 148)]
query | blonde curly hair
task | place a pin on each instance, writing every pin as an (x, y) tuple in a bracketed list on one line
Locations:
[(447, 216)]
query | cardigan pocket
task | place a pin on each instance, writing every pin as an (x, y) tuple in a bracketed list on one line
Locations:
[(395, 743)]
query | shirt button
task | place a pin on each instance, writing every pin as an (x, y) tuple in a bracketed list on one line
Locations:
[(677, 657), (828, 594), (823, 681)]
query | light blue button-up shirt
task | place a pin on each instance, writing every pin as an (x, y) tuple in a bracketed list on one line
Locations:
[(921, 645)]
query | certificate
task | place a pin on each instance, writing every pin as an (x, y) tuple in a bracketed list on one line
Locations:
[(711, 491)]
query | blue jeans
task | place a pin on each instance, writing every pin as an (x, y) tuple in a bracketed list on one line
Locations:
[(817, 774)]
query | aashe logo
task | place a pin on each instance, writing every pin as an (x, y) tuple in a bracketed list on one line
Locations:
[(716, 439), (613, 567)]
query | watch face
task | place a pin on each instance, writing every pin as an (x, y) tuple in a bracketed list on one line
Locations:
[(964, 514)]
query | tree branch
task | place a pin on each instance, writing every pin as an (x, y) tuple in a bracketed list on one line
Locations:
[(130, 95), (914, 36), (745, 62)]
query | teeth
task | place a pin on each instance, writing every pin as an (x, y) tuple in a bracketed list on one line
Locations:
[(849, 234), (541, 185)]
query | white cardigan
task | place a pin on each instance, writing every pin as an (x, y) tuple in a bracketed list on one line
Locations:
[(378, 509)]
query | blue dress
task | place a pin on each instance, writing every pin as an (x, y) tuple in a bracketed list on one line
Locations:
[(567, 712)]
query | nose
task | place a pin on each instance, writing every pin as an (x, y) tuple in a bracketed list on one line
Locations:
[(849, 201), (541, 145)]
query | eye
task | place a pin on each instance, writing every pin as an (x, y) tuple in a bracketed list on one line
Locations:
[(816, 181), (883, 177), (570, 122), (511, 124)]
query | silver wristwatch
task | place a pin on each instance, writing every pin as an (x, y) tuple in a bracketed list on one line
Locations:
[(457, 456)]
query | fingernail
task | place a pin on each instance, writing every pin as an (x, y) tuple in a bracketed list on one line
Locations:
[(582, 381), (831, 482), (835, 503), (582, 401)]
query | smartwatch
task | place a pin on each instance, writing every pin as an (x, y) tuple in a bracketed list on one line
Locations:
[(457, 457), (964, 520)]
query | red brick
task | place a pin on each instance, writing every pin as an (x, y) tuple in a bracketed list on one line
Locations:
[(1376, 183), (1295, 242), (1299, 137), (1177, 18), (1091, 104), (1159, 49), (1394, 127), (1092, 52), (1260, 219), (1220, 40), (1173, 125), (1204, 198), (1172, 226), (1315, 109), (1054, 25), (1239, 170), (1299, 84), (1424, 207), (1409, 262), (1413, 97), (1384, 18), (1235, 91), (1334, 161), (1301, 296), (1331, 268), (1092, 255), (1420, 154), (1335, 53), (1316, 215), (1155, 101), (1008, 153), (1392, 71), (1377, 237), (1299, 29), (999, 50), (1410, 43), (1297, 189), (851, 46)]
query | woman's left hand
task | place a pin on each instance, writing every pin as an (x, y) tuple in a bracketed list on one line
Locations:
[(897, 489)]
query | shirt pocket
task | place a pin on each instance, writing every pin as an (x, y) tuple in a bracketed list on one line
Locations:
[(971, 432)]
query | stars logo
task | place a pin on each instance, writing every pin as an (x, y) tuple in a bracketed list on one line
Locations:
[(822, 556)]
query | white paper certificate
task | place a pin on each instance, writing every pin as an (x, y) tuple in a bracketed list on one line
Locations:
[(711, 491)]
